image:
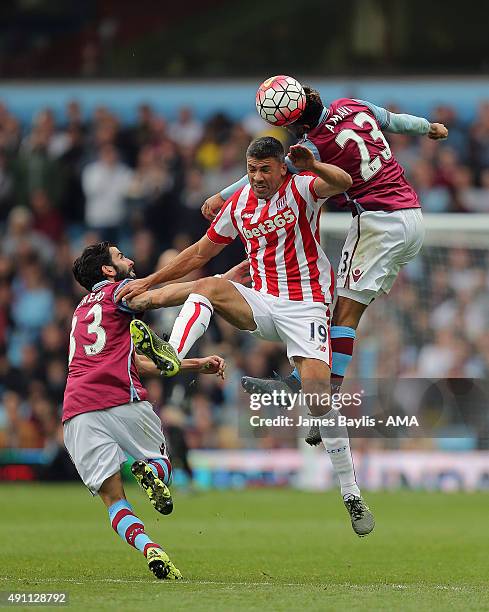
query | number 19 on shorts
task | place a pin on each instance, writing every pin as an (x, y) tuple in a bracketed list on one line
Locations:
[(319, 332)]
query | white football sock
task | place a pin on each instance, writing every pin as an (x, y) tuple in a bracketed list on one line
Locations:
[(191, 323), (337, 445)]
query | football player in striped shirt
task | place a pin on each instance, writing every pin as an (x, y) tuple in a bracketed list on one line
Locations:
[(276, 215)]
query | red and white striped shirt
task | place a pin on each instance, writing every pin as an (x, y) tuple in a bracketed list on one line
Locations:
[(281, 238)]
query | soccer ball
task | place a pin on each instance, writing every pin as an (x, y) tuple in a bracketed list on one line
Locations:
[(280, 100)]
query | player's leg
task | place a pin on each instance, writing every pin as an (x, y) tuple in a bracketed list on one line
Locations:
[(378, 244), (306, 333), (209, 294), (137, 430), (346, 317), (315, 376), (131, 528), (336, 439), (97, 457), (315, 381), (304, 327), (203, 296)]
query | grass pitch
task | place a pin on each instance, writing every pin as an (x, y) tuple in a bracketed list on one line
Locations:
[(250, 550)]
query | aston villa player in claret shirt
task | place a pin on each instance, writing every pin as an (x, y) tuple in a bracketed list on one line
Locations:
[(106, 416), (385, 234)]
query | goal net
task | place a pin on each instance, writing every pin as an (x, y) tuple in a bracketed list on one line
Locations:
[(435, 321)]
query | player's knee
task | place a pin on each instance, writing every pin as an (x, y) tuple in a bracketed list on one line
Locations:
[(208, 287)]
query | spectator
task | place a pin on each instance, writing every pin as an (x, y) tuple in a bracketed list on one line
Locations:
[(150, 180), (434, 198), (21, 237), (35, 168), (106, 184), (469, 197), (186, 130), (47, 220), (6, 188)]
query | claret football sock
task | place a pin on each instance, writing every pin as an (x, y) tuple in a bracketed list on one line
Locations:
[(161, 469), (342, 341), (191, 323), (129, 527)]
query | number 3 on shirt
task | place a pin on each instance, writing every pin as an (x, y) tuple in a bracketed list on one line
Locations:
[(94, 327), (368, 167)]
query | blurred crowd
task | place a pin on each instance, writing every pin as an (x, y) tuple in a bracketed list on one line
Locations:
[(71, 182)]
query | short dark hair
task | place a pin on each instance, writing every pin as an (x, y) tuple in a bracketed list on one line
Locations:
[(313, 110), (266, 146), (87, 269)]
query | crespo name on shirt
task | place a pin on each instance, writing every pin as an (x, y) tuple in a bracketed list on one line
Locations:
[(92, 297)]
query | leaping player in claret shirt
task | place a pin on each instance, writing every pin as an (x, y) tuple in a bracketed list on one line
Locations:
[(385, 234), (105, 412)]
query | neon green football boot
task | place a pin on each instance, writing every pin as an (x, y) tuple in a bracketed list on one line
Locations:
[(161, 566), (157, 491), (161, 353)]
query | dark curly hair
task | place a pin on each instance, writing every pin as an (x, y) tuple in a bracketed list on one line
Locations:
[(311, 114), (87, 269)]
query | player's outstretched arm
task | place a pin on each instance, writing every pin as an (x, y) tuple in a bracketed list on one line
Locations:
[(175, 294), (402, 123), (331, 179), (205, 365), (190, 259)]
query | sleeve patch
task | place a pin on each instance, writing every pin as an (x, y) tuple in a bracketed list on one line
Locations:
[(122, 305)]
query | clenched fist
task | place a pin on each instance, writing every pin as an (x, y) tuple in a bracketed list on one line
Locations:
[(437, 131)]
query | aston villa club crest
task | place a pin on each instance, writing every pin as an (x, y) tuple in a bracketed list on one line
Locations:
[(356, 273)]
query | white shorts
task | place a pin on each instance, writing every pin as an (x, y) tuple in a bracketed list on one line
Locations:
[(377, 246), (98, 441), (302, 326)]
